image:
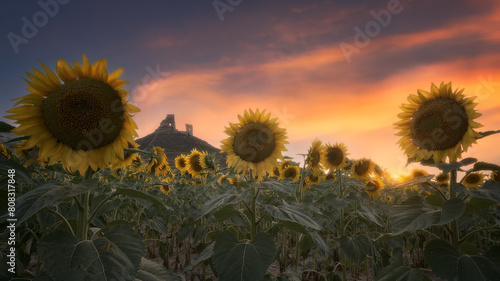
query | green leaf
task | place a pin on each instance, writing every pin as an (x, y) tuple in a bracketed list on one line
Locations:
[(151, 271), (370, 214), (490, 190), (446, 262), (493, 254), (157, 223), (293, 213), (221, 201), (21, 172), (468, 248), (50, 194), (355, 249), (434, 200), (320, 243), (5, 127), (476, 204), (448, 167), (201, 257), (248, 261), (413, 215), (225, 213), (114, 255), (140, 195), (484, 166), (396, 271), (293, 226)]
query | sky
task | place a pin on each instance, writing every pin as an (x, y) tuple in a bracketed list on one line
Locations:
[(334, 70)]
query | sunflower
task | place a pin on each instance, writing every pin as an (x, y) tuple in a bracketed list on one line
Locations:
[(379, 172), (291, 172), (473, 180), (362, 169), (335, 156), (128, 157), (348, 165), (314, 178), (4, 151), (194, 166), (495, 176), (415, 173), (315, 155), (158, 164), (180, 162), (442, 178), (276, 172), (136, 165), (83, 122), (438, 124), (373, 187), (165, 189), (331, 176), (233, 181), (283, 165), (208, 161), (222, 179), (255, 143)]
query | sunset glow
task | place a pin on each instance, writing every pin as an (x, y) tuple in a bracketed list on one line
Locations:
[(285, 58)]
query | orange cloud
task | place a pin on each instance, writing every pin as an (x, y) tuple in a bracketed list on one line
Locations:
[(314, 96)]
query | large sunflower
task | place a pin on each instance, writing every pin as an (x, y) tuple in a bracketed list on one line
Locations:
[(438, 124), (335, 156), (315, 155), (255, 143), (82, 121)]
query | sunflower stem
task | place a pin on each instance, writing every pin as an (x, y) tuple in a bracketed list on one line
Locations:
[(83, 216), (454, 233), (83, 209), (254, 194)]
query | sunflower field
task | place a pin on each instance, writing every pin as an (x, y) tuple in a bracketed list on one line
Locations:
[(84, 202)]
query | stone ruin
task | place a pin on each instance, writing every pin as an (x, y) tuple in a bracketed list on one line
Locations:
[(168, 126)]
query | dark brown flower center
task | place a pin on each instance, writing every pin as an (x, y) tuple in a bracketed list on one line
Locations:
[(181, 162), (472, 179), (442, 177), (334, 156), (84, 114), (195, 163), (362, 167), (290, 172), (255, 142), (438, 124)]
